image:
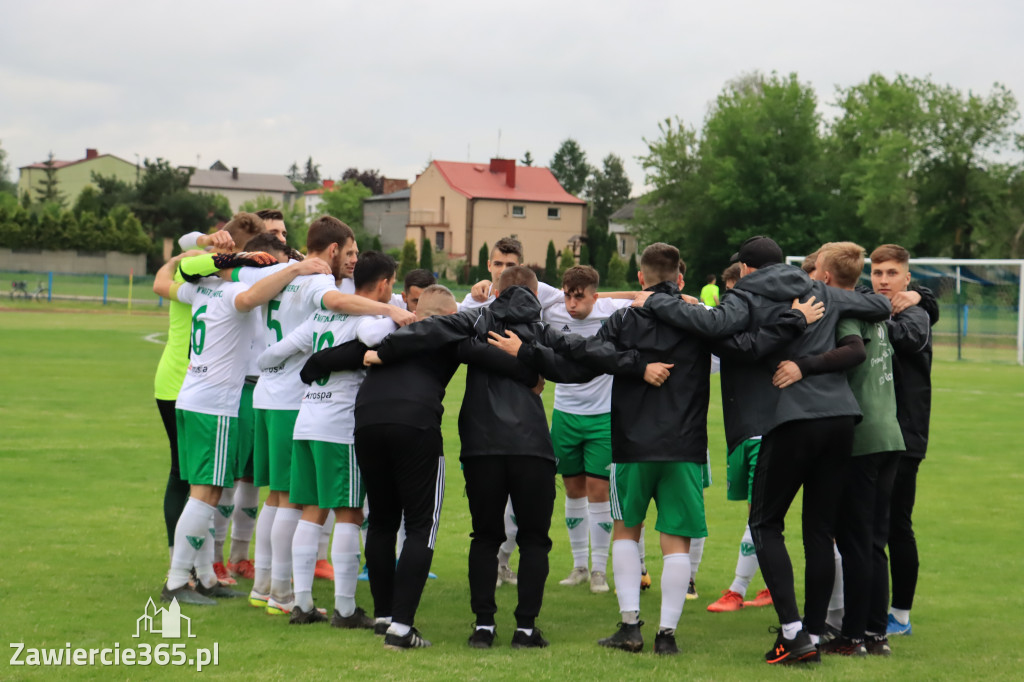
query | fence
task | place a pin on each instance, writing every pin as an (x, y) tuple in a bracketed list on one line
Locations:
[(57, 286)]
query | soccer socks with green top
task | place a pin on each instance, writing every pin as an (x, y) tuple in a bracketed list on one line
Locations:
[(675, 579), (304, 548), (626, 565), (324, 541), (600, 522), (345, 557), (576, 523), (746, 564), (190, 535), (281, 536), (261, 558), (243, 520), (225, 507)]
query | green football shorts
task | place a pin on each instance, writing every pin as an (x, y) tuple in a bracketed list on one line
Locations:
[(325, 474), (272, 449), (675, 487), (740, 465), (207, 445), (582, 443)]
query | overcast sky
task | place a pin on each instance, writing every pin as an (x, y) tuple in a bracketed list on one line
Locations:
[(390, 85)]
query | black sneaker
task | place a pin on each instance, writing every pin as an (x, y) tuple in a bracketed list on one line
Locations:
[(482, 638), (877, 645), (357, 621), (844, 646), (800, 649), (380, 626), (411, 640), (534, 640), (186, 595), (831, 632), (219, 591), (627, 638), (300, 617), (665, 643)]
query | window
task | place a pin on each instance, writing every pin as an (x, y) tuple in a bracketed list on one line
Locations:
[(439, 241), (554, 213), (518, 211)]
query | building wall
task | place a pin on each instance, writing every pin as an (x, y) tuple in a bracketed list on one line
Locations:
[(71, 180), (427, 218), (625, 242), (237, 197), (494, 219), (76, 262), (387, 219)]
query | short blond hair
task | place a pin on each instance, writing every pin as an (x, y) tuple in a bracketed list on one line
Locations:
[(436, 299), (844, 261)]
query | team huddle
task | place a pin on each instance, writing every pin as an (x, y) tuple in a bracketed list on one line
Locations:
[(308, 376)]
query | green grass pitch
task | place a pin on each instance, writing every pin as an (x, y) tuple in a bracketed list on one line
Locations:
[(83, 463)]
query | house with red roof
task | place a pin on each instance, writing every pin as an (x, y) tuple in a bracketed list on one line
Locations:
[(73, 176), (461, 206)]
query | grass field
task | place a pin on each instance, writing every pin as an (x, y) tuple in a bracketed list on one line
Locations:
[(83, 459)]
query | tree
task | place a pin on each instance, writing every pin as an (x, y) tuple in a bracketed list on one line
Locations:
[(527, 159), (616, 272), (481, 272), (294, 175), (584, 255), (551, 275), (671, 168), (565, 262), (608, 190), (371, 179), (311, 175), (344, 201), (427, 255), (6, 186), (631, 269), (47, 191), (569, 166), (375, 244), (408, 261)]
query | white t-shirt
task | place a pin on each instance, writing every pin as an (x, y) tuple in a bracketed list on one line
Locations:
[(220, 342), (327, 412), (594, 396), (547, 295)]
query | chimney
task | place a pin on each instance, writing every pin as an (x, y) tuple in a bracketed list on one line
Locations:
[(390, 185), (328, 184), (234, 173), (506, 166), (91, 154)]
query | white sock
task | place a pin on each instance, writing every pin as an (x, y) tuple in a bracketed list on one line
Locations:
[(247, 502), (814, 639), (643, 552), (626, 566), (696, 552), (345, 556), (746, 564), (576, 523), (399, 629), (204, 559), (281, 551), (789, 630), (489, 628), (225, 507), (509, 546), (526, 631), (304, 546), (261, 558), (190, 535), (600, 523), (324, 542), (674, 581), (902, 616), (400, 540)]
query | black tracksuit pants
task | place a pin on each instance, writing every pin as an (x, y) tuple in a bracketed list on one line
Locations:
[(530, 482), (811, 453), (403, 471), (902, 543), (862, 529), (177, 490)]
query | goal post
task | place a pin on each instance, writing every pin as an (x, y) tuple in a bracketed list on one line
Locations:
[(981, 303)]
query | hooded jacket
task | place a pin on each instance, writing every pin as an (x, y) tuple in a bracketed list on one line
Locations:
[(769, 293), (499, 415), (666, 423), (911, 337)]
